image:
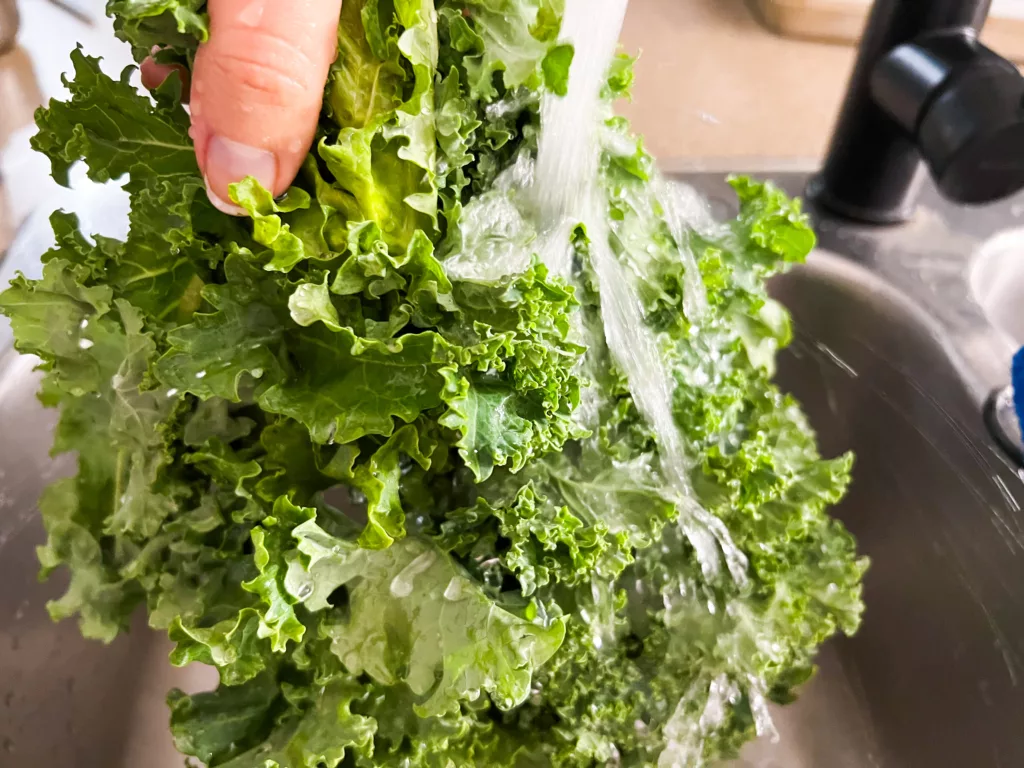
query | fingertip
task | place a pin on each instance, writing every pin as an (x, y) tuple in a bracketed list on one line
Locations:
[(222, 205), (227, 162)]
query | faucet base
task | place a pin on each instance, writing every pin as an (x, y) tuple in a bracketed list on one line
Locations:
[(895, 211)]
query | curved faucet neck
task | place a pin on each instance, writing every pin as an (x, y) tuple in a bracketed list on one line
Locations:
[(873, 167)]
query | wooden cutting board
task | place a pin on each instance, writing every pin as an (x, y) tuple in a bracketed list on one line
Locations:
[(841, 21)]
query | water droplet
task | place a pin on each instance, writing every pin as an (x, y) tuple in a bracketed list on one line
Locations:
[(84, 344), (711, 607), (84, 324), (257, 373), (304, 591), (403, 584), (201, 375), (172, 392), (457, 589)]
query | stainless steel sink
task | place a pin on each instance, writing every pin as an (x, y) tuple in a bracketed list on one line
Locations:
[(892, 359)]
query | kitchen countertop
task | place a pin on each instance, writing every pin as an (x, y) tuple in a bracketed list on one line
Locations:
[(716, 90)]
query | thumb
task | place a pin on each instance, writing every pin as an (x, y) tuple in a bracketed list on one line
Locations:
[(257, 86)]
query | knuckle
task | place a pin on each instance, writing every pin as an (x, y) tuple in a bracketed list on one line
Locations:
[(253, 81), (265, 66)]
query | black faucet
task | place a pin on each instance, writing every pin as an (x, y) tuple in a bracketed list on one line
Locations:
[(924, 93)]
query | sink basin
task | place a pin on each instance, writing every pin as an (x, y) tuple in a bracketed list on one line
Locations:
[(891, 359), (935, 670)]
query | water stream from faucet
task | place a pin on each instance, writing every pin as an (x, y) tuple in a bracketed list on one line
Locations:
[(566, 191), (534, 208)]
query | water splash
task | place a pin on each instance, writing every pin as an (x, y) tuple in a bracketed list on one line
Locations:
[(685, 734), (686, 210), (497, 235)]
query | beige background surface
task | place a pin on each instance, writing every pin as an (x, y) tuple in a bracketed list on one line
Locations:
[(713, 86)]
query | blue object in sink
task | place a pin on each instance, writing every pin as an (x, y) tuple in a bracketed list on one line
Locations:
[(1017, 382)]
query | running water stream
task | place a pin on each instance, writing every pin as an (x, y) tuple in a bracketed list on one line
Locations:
[(534, 207), (565, 192)]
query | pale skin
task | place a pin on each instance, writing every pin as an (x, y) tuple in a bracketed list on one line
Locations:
[(256, 90)]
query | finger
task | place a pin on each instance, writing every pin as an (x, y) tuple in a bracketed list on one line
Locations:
[(257, 85), (154, 74)]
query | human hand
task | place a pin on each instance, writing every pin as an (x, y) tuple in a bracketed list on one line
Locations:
[(256, 90)]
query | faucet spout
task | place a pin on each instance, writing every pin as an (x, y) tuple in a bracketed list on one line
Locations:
[(924, 93)]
